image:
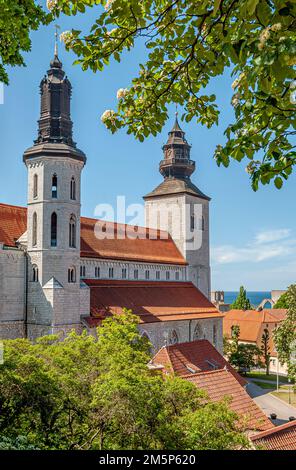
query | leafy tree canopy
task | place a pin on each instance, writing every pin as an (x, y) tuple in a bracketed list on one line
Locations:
[(17, 20), (282, 302), (189, 43), (285, 335), (242, 302), (98, 393)]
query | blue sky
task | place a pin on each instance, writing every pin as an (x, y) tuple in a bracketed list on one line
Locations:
[(253, 235)]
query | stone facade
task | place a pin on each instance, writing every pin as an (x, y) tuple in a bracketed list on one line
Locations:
[(162, 333), (41, 279), (175, 214)]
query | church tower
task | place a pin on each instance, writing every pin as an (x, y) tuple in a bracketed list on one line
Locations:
[(181, 209), (56, 299)]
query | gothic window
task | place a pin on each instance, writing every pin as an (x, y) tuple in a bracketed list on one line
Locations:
[(54, 227), (35, 274), (124, 273), (73, 189), (197, 334), (35, 187), (177, 275), (158, 275), (111, 273), (147, 275), (215, 335), (71, 275), (82, 271), (136, 274), (97, 272), (34, 234), (54, 187), (72, 231), (173, 337), (167, 275), (192, 223)]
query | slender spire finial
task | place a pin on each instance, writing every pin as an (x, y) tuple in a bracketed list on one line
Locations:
[(56, 51), (176, 113)]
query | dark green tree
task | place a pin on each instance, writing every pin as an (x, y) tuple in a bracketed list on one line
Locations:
[(265, 348), (98, 393), (285, 335), (17, 20), (241, 302)]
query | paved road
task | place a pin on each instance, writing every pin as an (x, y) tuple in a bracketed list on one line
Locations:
[(271, 404)]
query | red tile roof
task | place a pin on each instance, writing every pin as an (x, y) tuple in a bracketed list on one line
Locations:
[(280, 438), (152, 301), (252, 323), (151, 246), (221, 383), (13, 223), (199, 356), (148, 245)]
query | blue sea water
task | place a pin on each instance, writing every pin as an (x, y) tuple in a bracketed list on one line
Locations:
[(254, 297)]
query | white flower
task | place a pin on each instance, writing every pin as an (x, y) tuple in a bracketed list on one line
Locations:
[(276, 27), (293, 85), (66, 37), (235, 83), (108, 4), (112, 32), (121, 93), (51, 4), (293, 97), (108, 114)]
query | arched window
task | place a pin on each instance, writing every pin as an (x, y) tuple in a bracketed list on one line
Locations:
[(35, 274), (167, 275), (177, 275), (215, 335), (71, 275), (34, 230), (54, 187), (202, 223), (35, 187), (173, 337), (197, 334), (72, 231), (73, 189), (82, 271), (54, 228), (147, 275)]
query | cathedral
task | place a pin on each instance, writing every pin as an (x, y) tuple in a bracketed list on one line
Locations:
[(57, 271)]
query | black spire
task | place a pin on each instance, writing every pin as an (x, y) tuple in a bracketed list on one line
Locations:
[(55, 132), (176, 167), (55, 123), (176, 160)]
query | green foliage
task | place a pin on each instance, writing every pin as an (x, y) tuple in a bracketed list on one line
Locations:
[(18, 443), (285, 335), (240, 355), (98, 393), (282, 301), (241, 302), (189, 43), (17, 20), (265, 341)]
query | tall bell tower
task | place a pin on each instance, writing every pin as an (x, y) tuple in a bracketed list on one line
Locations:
[(55, 298), (180, 208)]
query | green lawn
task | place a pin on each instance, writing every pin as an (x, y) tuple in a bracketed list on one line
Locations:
[(285, 397), (270, 386), (271, 377)]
